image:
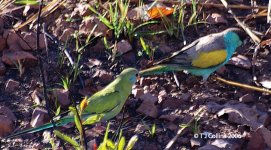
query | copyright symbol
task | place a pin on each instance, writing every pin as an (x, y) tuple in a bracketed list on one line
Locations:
[(196, 135)]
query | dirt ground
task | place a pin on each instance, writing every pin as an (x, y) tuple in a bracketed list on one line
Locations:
[(234, 118)]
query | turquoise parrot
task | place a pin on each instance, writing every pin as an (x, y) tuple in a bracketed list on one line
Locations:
[(101, 106), (202, 57)]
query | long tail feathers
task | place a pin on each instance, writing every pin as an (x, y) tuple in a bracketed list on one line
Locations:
[(88, 119), (61, 122), (159, 69)]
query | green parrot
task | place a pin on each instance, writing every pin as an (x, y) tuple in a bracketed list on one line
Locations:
[(101, 106), (202, 57)]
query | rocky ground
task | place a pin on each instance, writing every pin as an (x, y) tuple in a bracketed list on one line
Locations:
[(234, 118)]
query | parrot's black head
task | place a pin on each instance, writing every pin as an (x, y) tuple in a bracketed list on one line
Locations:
[(241, 33)]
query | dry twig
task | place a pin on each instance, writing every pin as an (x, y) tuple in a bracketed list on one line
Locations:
[(245, 86)]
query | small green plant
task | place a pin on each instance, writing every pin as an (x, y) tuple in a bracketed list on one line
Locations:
[(108, 144), (180, 23), (193, 18), (194, 127), (147, 49), (117, 16), (71, 140), (58, 110), (66, 83), (68, 139), (151, 130), (131, 31), (76, 68), (27, 2), (168, 24)]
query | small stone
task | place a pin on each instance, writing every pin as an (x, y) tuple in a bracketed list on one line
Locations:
[(247, 98), (196, 142), (7, 112), (36, 97), (137, 92), (89, 23), (186, 97), (93, 62), (216, 18), (62, 96), (129, 57), (240, 61), (162, 96), (140, 128), (6, 126), (265, 81), (28, 41), (123, 47), (223, 144), (11, 85), (135, 13), (39, 117), (12, 40), (149, 97), (148, 108), (7, 119), (81, 10), (146, 89)]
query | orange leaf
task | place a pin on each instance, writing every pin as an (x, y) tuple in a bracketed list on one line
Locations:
[(158, 12)]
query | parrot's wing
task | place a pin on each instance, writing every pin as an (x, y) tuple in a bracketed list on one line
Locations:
[(104, 101), (169, 58), (199, 53)]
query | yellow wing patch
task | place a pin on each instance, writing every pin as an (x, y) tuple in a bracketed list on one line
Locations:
[(209, 59)]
